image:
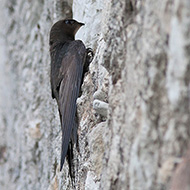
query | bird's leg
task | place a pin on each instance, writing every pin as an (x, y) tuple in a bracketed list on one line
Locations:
[(89, 58), (90, 55)]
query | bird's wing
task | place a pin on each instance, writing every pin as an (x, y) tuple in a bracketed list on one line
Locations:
[(71, 71)]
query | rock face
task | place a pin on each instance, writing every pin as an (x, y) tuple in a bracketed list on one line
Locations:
[(134, 110)]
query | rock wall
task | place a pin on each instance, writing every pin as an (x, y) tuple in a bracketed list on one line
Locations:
[(134, 109)]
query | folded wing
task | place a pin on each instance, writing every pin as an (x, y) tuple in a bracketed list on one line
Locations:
[(69, 87)]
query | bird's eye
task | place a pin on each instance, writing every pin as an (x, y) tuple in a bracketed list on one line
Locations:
[(66, 21), (69, 21)]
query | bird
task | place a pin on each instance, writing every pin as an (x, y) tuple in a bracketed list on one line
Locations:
[(69, 62)]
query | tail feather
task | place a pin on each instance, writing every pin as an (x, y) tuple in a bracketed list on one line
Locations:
[(69, 151), (70, 159)]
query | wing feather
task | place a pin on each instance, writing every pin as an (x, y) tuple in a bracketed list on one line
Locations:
[(68, 93)]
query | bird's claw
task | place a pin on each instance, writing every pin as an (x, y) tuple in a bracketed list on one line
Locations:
[(90, 55)]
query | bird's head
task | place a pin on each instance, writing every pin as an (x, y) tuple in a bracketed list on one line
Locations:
[(64, 30)]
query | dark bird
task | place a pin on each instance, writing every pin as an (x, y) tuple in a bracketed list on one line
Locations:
[(69, 62)]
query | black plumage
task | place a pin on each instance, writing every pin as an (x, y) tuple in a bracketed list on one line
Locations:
[(69, 59)]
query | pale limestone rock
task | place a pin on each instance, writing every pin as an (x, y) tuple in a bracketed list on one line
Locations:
[(96, 144), (140, 74), (100, 107), (90, 183)]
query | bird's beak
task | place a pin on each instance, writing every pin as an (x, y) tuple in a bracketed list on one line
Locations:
[(81, 24)]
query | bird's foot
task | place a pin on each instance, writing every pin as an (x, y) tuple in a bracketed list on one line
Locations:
[(89, 55)]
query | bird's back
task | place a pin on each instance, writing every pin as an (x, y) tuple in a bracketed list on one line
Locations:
[(66, 74)]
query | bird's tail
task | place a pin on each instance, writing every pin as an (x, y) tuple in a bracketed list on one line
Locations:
[(70, 159), (70, 150)]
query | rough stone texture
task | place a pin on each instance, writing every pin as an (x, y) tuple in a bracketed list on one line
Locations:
[(140, 74)]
